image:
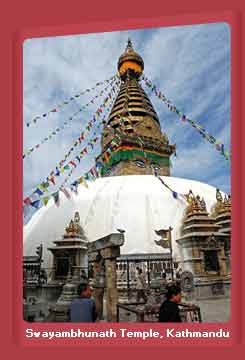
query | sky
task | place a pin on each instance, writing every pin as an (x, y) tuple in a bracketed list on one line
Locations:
[(189, 64)]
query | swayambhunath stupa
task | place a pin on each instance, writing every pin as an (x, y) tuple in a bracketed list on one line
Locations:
[(127, 212)]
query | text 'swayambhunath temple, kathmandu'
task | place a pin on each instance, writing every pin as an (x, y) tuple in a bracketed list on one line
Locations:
[(132, 216)]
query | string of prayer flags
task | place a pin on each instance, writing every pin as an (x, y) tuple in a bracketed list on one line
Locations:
[(175, 195), (211, 139), (91, 175), (71, 165), (99, 111), (93, 141), (72, 98)]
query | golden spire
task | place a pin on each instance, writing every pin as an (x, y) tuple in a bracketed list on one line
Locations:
[(140, 146)]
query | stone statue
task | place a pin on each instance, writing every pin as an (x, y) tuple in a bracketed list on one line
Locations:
[(190, 197), (203, 204), (165, 139), (218, 196)]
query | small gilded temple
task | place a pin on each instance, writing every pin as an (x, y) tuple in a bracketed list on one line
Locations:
[(132, 140), (205, 243)]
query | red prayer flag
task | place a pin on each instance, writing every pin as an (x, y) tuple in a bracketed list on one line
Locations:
[(72, 162), (27, 201)]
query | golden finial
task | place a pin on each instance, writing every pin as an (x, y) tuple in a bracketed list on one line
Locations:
[(129, 45), (130, 60), (195, 203), (74, 228), (70, 229)]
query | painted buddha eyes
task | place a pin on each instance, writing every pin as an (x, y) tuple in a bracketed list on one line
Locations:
[(140, 163)]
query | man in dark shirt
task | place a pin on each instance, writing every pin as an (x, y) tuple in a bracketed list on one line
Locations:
[(169, 310), (83, 308)]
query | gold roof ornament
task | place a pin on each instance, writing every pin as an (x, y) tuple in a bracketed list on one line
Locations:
[(219, 197), (130, 60), (70, 229), (74, 228), (195, 204), (223, 205)]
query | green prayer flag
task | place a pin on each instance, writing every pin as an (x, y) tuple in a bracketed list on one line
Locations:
[(45, 200)]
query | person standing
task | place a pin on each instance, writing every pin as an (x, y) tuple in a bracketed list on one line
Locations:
[(169, 310), (83, 308), (140, 286)]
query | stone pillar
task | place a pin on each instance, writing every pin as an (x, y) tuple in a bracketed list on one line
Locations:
[(110, 255), (222, 262), (106, 250), (98, 297)]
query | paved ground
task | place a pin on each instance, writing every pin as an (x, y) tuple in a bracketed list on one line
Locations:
[(216, 310)]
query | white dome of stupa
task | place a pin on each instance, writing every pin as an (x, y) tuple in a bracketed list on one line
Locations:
[(139, 204)]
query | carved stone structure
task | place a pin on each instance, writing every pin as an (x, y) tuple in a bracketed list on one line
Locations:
[(132, 141), (108, 249), (70, 253), (222, 215), (203, 249), (99, 283), (32, 272), (60, 311)]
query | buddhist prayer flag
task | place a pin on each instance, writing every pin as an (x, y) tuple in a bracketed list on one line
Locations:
[(56, 198), (45, 200), (57, 130), (64, 190), (61, 168), (27, 201), (51, 178), (38, 191), (72, 163), (36, 204), (110, 82), (57, 172), (175, 195), (43, 188), (218, 145)]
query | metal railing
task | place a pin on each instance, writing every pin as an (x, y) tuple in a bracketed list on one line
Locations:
[(149, 313)]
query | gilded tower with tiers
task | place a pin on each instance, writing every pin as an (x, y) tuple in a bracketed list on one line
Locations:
[(132, 140)]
